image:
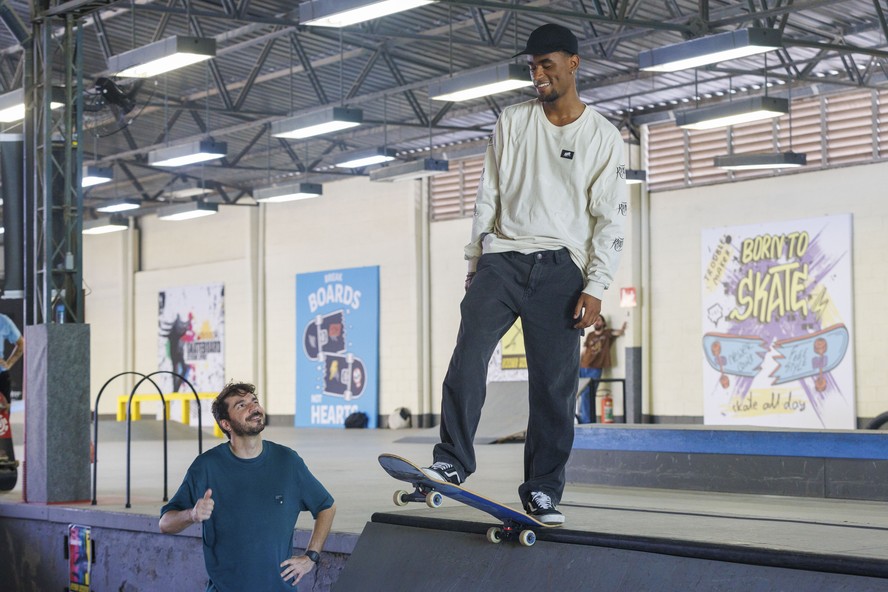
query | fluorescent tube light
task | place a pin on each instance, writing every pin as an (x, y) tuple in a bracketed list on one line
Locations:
[(481, 83), (120, 205), (187, 211), (289, 192), (162, 56), (12, 104), (96, 175), (710, 49), (363, 158), (105, 225), (320, 122), (342, 13), (636, 176), (415, 169), (747, 162), (185, 154), (732, 113), (188, 192)]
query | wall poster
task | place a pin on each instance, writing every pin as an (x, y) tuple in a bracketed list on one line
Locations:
[(777, 344), (337, 354)]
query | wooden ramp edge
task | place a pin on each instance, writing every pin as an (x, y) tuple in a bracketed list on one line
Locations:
[(397, 552)]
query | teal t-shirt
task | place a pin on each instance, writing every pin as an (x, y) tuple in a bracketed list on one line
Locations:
[(257, 501)]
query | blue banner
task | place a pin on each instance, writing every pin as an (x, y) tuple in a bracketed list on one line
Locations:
[(337, 354)]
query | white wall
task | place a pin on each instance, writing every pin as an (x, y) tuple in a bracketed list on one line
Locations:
[(256, 253), (104, 281), (356, 224), (677, 218)]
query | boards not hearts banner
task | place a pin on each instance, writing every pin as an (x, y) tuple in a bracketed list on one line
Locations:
[(777, 348), (337, 354)]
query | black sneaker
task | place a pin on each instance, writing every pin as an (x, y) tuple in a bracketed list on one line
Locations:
[(540, 506), (442, 471)]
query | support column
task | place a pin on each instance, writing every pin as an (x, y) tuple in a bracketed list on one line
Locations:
[(57, 417)]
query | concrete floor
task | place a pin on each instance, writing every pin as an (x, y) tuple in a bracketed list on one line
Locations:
[(345, 461)]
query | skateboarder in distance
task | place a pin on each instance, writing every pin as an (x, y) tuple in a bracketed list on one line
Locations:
[(545, 243), (8, 465), (247, 495), (8, 333)]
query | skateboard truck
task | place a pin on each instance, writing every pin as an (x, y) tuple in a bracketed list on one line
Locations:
[(421, 493), (497, 534)]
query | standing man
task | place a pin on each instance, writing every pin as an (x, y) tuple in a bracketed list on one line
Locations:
[(546, 239), (260, 488), (8, 333), (596, 357)]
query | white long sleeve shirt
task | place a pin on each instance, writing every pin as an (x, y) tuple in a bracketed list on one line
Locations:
[(545, 187)]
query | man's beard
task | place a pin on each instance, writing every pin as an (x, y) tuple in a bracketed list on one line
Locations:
[(247, 429), (550, 97)]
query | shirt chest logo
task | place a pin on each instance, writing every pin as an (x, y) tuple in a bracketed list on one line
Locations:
[(568, 154)]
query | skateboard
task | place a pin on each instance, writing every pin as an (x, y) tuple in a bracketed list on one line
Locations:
[(515, 524), (8, 464)]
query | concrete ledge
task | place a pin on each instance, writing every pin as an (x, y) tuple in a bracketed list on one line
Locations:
[(131, 553), (807, 463)]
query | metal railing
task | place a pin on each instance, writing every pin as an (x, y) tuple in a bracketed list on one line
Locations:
[(144, 377)]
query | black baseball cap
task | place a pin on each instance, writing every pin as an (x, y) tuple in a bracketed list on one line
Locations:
[(549, 38)]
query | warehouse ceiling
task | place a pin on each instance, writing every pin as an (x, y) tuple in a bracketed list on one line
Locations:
[(268, 66)]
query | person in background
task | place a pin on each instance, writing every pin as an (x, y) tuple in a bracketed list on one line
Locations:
[(596, 357), (11, 334)]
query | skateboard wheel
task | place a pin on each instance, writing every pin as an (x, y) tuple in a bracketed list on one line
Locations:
[(527, 538), (494, 534), (401, 498), (434, 499)]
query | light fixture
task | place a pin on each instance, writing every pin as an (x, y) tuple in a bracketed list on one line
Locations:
[(775, 160), (342, 13), (307, 125), (188, 192), (288, 192), (162, 56), (96, 175), (120, 205), (187, 211), (463, 150), (710, 49), (105, 225), (481, 83), (732, 113), (189, 153), (415, 169), (636, 176), (12, 104), (362, 158)]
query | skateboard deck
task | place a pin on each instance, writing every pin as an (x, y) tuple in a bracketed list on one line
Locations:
[(431, 491), (8, 464)]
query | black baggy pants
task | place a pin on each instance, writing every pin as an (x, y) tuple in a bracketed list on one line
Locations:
[(542, 289)]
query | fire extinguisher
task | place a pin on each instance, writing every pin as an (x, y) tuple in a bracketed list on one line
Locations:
[(607, 408)]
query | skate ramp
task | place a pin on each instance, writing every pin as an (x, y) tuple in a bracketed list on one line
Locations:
[(504, 417), (397, 552)]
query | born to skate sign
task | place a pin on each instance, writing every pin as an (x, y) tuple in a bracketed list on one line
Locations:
[(337, 354), (777, 347)]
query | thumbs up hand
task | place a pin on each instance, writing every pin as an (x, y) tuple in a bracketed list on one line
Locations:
[(203, 509)]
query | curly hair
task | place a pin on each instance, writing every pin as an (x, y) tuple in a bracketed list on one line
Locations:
[(220, 404)]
